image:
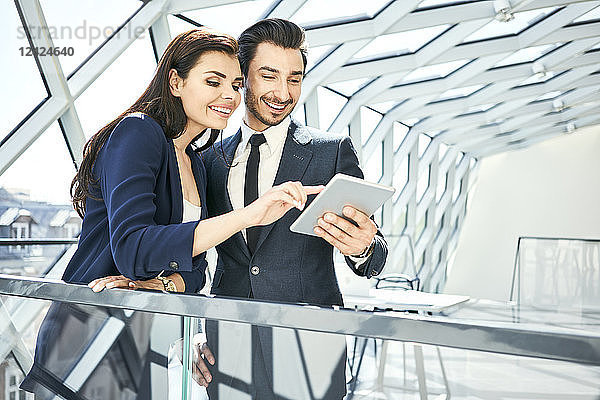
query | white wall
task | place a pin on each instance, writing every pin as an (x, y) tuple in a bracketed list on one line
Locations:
[(549, 189)]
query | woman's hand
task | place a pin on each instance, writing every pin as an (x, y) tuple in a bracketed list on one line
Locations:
[(278, 200), (120, 281)]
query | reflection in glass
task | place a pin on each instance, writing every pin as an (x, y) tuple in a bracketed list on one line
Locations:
[(86, 25), (20, 76)]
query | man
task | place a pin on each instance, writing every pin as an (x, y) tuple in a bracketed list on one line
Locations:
[(271, 262)]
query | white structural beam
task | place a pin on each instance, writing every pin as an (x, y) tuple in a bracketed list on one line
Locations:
[(462, 52), (329, 34), (521, 119), (448, 40), (161, 35), (542, 136), (55, 79), (547, 125), (455, 125)]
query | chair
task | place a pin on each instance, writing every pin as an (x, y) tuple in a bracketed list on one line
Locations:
[(557, 273)]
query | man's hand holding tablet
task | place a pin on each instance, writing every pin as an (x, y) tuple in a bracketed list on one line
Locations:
[(354, 199)]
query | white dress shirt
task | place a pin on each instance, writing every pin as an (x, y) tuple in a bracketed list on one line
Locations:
[(270, 156)]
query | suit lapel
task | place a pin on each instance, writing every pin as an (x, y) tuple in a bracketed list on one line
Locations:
[(220, 177), (176, 193), (220, 174), (294, 160)]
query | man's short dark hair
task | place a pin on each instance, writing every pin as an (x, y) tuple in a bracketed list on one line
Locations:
[(279, 32)]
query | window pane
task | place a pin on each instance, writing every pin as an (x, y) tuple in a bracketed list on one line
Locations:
[(330, 104), (368, 122), (424, 141), (398, 43), (400, 132), (441, 187), (348, 88), (20, 76), (400, 178), (128, 76), (521, 21), (44, 171), (374, 166), (224, 18), (85, 24), (318, 10), (422, 184)]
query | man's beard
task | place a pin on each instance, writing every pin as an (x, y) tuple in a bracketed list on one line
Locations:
[(252, 101)]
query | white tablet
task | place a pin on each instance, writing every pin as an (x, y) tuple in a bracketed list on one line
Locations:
[(342, 190)]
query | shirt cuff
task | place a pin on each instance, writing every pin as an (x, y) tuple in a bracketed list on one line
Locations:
[(360, 259)]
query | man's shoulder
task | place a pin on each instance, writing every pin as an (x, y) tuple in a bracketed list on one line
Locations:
[(319, 136)]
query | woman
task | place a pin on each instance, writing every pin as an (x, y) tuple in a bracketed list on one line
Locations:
[(141, 187)]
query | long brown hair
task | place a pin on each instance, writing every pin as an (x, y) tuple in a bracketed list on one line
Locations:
[(182, 54)]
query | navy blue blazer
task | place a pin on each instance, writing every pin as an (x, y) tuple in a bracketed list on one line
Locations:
[(293, 267), (133, 227)]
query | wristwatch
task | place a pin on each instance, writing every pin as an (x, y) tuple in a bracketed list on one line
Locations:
[(167, 283)]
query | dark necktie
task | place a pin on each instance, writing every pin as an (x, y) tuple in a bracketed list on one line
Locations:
[(251, 185)]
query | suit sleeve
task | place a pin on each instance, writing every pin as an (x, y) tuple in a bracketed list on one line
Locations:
[(133, 156), (347, 163)]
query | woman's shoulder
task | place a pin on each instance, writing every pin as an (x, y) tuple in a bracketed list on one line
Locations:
[(140, 129), (137, 136), (141, 121)]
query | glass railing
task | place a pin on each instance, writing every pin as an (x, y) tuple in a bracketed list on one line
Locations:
[(123, 344)]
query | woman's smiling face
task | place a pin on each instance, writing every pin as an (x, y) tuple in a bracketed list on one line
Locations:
[(210, 93)]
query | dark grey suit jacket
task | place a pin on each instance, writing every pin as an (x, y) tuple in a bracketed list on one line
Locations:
[(293, 267)]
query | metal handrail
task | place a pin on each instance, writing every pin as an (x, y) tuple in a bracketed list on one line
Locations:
[(36, 241), (532, 340)]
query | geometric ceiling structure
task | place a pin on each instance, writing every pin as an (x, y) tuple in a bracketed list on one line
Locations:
[(487, 76), (425, 88)]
